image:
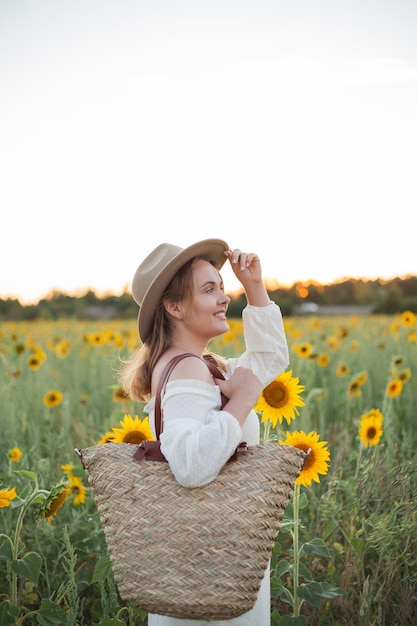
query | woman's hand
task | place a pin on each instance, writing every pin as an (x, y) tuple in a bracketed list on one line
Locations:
[(242, 389), (247, 268), (245, 265)]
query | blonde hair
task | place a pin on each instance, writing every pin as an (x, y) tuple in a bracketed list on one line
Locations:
[(136, 375)]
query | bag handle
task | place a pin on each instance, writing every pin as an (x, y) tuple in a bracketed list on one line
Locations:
[(151, 450), (164, 379)]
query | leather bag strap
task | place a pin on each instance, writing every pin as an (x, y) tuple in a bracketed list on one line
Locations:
[(162, 384), (151, 450)]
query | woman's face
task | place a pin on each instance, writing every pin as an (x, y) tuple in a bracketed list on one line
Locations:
[(207, 314)]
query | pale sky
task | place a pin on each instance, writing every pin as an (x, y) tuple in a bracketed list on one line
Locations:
[(288, 128)]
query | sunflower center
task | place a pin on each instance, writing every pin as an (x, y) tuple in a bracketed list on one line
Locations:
[(133, 436), (310, 460), (371, 432), (276, 394)]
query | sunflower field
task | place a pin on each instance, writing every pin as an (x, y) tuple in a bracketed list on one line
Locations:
[(346, 552)]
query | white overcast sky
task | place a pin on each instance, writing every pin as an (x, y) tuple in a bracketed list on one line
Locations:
[(285, 127)]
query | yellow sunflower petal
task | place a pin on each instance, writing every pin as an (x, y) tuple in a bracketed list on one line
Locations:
[(133, 430), (280, 399), (317, 462), (370, 430)]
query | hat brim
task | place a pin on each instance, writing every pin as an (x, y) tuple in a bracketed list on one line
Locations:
[(213, 248)]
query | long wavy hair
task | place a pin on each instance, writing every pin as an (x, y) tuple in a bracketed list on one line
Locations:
[(135, 376)]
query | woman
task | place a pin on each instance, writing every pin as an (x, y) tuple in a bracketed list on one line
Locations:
[(183, 306)]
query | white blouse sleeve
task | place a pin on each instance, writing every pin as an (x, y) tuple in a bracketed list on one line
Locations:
[(266, 345), (197, 438)]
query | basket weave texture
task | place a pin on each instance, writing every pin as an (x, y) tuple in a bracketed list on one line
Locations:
[(197, 553)]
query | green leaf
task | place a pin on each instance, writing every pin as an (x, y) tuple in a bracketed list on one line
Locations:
[(16, 502), (78, 470), (286, 527), (50, 613), (8, 613), (5, 551), (39, 498), (314, 592), (102, 569), (305, 573), (111, 621), (283, 567), (28, 567), (303, 500), (317, 546), (283, 593), (327, 591), (310, 593), (26, 474)]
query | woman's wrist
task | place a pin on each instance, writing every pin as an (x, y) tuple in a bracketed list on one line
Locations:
[(257, 295)]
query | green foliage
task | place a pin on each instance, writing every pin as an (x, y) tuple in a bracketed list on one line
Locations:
[(357, 528), (380, 296), (287, 584)]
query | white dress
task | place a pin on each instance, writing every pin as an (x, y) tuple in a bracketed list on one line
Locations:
[(198, 437)]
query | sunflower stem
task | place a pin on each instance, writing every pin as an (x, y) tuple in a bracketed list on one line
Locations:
[(267, 430), (358, 461), (296, 569), (15, 543)]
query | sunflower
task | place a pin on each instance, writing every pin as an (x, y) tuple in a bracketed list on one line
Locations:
[(120, 395), (370, 430), (303, 350), (354, 389), (108, 437), (394, 388), (397, 361), (408, 319), (403, 375), (52, 398), (342, 369), (34, 362), (62, 349), (97, 339), (133, 430), (67, 468), (233, 335), (412, 336), (57, 496), (362, 378), (280, 399), (317, 462), (15, 454), (357, 383), (323, 360), (39, 354), (77, 489), (114, 338), (6, 495), (332, 342)]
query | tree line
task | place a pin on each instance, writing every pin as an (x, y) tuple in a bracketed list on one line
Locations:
[(376, 296)]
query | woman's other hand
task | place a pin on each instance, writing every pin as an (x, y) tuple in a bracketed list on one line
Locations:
[(242, 389)]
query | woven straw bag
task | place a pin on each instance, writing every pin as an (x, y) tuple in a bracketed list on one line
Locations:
[(198, 553)]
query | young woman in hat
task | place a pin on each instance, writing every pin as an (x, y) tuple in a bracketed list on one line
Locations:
[(183, 306)]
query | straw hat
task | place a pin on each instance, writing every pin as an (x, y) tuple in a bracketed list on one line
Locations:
[(159, 268)]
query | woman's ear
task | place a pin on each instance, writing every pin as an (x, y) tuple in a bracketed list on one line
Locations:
[(173, 309)]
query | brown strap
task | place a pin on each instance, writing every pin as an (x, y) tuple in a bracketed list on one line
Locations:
[(152, 449), (162, 383)]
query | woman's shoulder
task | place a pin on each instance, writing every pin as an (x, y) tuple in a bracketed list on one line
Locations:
[(190, 367)]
